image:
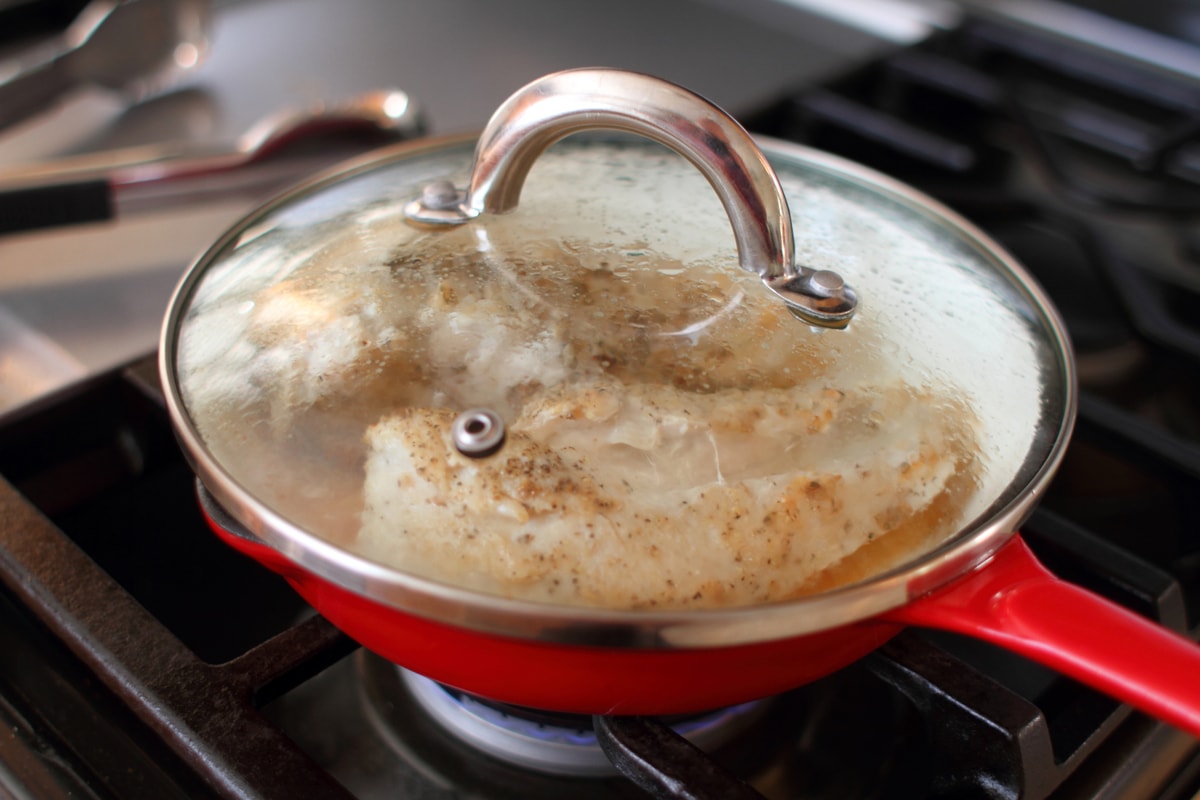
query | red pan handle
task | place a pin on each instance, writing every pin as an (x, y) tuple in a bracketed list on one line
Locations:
[(1015, 602)]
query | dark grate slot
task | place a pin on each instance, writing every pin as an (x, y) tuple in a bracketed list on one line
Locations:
[(1084, 176), (992, 46), (1138, 486), (1096, 124), (964, 103), (91, 745), (105, 468), (844, 125), (913, 72), (1080, 556), (1150, 302), (149, 538), (1130, 128), (1184, 161), (98, 659), (1103, 133)]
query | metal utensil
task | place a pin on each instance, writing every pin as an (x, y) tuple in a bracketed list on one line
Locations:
[(389, 112), (99, 186), (136, 47)]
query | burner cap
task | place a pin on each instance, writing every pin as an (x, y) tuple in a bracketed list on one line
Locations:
[(550, 742)]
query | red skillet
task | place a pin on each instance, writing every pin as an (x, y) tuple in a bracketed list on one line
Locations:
[(998, 338)]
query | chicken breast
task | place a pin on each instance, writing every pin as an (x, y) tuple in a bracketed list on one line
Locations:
[(676, 439), (655, 497)]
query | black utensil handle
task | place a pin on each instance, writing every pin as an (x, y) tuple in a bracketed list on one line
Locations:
[(30, 21), (55, 205)]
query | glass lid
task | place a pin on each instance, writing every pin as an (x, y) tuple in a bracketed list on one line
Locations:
[(587, 400)]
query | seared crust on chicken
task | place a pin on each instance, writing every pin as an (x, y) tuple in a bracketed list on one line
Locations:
[(662, 499)]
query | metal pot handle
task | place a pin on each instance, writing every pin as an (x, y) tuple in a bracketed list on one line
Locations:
[(563, 103)]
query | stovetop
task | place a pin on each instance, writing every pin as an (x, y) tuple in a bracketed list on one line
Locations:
[(143, 658)]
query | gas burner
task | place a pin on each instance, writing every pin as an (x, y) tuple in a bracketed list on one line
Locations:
[(849, 735), (555, 743)]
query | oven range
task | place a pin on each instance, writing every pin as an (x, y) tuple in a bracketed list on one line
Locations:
[(143, 658)]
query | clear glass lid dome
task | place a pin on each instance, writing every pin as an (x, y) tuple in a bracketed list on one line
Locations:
[(588, 401)]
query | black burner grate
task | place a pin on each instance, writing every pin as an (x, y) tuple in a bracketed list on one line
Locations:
[(104, 585)]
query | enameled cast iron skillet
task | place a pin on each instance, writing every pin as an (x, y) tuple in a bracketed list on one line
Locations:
[(967, 311)]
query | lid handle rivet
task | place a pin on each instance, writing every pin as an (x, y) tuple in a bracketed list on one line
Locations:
[(440, 196), (478, 433), (440, 203), (825, 283)]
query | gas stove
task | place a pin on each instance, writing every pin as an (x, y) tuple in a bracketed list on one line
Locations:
[(145, 659)]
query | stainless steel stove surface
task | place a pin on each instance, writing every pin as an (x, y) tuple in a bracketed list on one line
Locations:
[(142, 658)]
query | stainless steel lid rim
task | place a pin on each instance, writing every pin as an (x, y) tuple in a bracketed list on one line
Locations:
[(701, 628)]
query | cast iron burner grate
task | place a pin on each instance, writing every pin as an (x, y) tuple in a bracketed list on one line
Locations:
[(142, 658)]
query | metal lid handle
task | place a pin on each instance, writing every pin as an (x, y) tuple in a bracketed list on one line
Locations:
[(563, 103)]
